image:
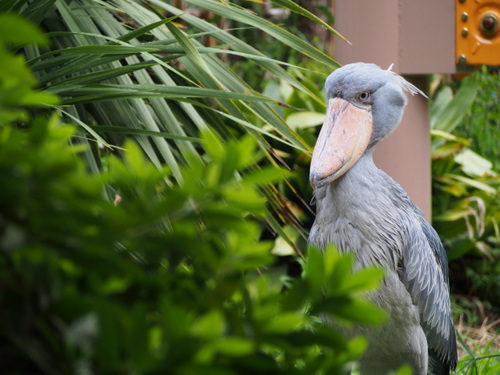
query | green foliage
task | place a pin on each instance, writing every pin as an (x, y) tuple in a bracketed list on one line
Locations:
[(17, 82), (466, 199), (159, 74), (478, 360), (482, 122), (170, 276)]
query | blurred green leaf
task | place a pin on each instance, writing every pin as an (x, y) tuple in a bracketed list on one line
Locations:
[(447, 112), (305, 119), (285, 322), (473, 164), (211, 325), (17, 31)]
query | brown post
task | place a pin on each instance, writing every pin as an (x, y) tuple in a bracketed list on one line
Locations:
[(418, 37), (405, 154)]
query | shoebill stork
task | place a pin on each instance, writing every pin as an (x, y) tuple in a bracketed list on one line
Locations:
[(361, 209)]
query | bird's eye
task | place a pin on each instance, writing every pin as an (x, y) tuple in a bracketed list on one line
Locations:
[(364, 96)]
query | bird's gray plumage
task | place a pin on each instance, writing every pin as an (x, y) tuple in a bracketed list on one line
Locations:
[(367, 212)]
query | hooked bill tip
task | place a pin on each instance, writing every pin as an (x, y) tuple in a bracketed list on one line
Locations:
[(316, 181)]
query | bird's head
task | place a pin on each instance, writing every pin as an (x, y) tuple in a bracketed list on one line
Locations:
[(365, 104)]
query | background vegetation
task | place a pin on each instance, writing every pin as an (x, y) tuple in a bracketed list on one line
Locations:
[(154, 161)]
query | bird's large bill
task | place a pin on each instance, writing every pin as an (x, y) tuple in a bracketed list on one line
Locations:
[(343, 138)]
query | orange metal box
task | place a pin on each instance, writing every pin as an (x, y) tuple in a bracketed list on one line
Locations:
[(477, 32)]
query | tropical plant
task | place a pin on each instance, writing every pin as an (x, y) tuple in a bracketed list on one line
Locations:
[(466, 199), (481, 123)]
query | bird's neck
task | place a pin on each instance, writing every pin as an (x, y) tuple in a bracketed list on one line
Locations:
[(363, 206), (358, 188)]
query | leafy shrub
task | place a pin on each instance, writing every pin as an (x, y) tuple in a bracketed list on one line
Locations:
[(169, 276), (481, 124), (466, 199)]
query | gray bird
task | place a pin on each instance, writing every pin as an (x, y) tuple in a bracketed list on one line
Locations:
[(361, 209)]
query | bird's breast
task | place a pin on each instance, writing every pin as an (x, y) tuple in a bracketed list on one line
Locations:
[(367, 224)]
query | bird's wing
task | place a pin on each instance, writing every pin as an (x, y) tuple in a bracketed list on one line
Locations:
[(424, 272)]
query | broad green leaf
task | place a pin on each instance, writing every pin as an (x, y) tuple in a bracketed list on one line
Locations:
[(443, 98), (361, 312), (404, 370), (473, 183), (447, 118), (474, 164), (134, 158), (365, 280), (17, 31), (314, 270), (454, 214), (448, 149), (285, 322), (246, 197), (299, 120), (213, 145), (234, 346), (211, 325), (39, 99), (282, 248), (266, 175), (340, 269), (248, 154), (14, 72), (357, 346)]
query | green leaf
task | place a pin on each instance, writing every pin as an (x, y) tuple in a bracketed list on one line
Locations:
[(134, 158), (266, 175), (404, 370), (450, 115), (246, 198), (234, 346), (211, 325), (473, 183), (99, 49), (474, 164), (39, 99), (448, 149), (232, 12), (314, 271), (340, 269), (248, 154), (17, 31), (360, 311), (285, 322), (364, 280), (107, 92), (357, 346), (191, 51), (299, 120), (213, 145)]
